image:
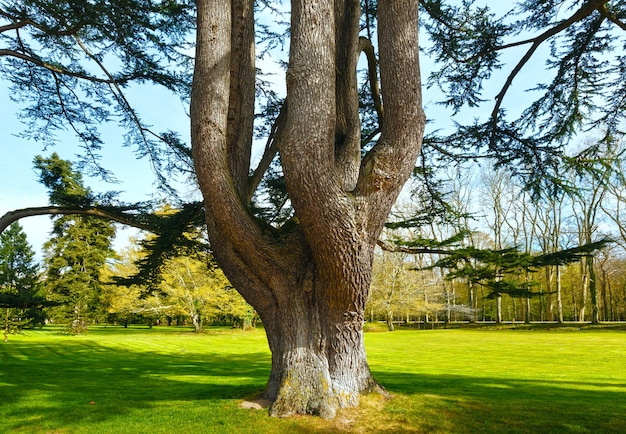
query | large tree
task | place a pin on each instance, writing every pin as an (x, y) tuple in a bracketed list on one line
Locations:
[(308, 279)]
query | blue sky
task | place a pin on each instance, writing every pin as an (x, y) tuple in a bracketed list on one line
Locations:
[(18, 181), (19, 187)]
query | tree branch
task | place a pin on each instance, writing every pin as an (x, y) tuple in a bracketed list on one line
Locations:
[(53, 68), (604, 11), (19, 23), (582, 13), (390, 162), (271, 148), (125, 219), (365, 45), (13, 26), (119, 95), (389, 247)]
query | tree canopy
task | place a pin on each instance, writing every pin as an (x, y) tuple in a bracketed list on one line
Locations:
[(70, 63)]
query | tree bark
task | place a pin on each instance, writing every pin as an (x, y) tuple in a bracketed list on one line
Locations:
[(559, 296), (308, 279), (318, 357), (196, 320)]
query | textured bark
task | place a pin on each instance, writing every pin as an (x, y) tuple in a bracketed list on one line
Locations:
[(347, 128), (318, 363), (309, 279)]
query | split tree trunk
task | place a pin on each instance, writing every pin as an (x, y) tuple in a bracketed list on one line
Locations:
[(308, 279)]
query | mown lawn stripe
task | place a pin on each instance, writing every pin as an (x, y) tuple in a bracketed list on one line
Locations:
[(173, 380)]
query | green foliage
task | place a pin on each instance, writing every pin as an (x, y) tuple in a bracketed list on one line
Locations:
[(503, 271), (78, 248), (129, 304), (176, 234), (21, 300), (580, 89), (187, 283), (74, 257), (198, 289), (65, 185), (71, 62)]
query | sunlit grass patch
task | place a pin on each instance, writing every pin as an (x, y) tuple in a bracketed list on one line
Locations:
[(166, 380)]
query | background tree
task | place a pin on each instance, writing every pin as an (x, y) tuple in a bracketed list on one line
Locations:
[(586, 203), (198, 288), (78, 248), (127, 302), (21, 297), (190, 287), (389, 286)]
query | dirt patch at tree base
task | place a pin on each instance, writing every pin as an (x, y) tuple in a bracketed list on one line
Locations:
[(256, 404)]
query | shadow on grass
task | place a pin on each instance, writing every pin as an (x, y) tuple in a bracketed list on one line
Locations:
[(54, 385), (488, 405), (84, 382)]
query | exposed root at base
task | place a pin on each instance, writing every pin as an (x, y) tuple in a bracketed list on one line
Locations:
[(256, 402)]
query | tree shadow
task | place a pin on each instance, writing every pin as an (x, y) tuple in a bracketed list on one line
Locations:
[(57, 384), (490, 405), (48, 383)]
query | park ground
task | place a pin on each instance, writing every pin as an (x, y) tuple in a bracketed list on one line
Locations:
[(513, 379)]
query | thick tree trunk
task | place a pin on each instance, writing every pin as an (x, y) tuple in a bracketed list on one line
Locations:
[(310, 278), (318, 356)]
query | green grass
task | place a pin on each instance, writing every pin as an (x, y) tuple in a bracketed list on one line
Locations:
[(170, 380)]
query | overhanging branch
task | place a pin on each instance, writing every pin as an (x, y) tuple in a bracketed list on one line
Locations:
[(389, 247), (582, 13), (125, 219), (52, 68)]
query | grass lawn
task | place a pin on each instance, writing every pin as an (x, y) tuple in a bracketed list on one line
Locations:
[(171, 380)]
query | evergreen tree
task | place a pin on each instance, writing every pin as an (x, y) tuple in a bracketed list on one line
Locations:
[(20, 297), (78, 248), (501, 271)]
